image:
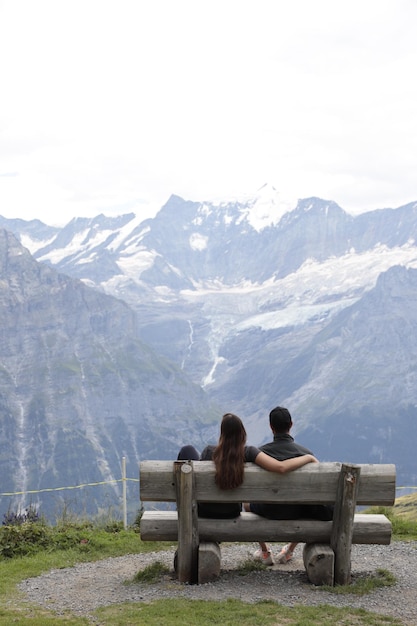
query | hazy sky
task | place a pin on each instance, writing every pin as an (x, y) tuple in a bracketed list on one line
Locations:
[(110, 106)]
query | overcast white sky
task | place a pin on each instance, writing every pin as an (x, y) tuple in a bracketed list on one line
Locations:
[(110, 106)]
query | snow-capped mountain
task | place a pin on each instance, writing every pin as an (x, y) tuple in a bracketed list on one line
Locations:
[(262, 302)]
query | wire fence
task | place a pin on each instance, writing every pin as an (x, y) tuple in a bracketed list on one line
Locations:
[(124, 480), (400, 491), (31, 491)]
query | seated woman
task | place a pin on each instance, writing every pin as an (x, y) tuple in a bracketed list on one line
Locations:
[(229, 457)]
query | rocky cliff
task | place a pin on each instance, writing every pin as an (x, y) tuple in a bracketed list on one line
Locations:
[(78, 389)]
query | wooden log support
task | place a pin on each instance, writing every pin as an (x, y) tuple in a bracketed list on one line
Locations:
[(209, 561), (187, 559), (343, 522), (319, 563)]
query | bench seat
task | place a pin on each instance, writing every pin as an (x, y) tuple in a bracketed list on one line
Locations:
[(163, 526)]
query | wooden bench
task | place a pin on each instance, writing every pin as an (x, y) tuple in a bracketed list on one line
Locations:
[(327, 550)]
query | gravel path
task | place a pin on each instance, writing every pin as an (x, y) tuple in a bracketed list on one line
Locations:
[(83, 588)]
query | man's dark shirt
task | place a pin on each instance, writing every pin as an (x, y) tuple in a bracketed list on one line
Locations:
[(284, 447), (281, 448)]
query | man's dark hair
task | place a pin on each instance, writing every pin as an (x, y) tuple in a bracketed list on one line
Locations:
[(280, 420)]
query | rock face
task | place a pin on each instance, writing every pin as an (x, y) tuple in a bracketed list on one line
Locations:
[(78, 389), (219, 308)]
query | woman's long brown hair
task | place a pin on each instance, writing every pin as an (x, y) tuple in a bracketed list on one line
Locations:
[(229, 454)]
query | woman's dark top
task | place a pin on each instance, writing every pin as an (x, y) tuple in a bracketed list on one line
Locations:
[(223, 510)]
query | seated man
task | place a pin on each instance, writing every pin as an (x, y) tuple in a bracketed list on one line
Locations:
[(284, 447)]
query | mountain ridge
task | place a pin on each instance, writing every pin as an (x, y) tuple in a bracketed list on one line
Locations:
[(312, 310)]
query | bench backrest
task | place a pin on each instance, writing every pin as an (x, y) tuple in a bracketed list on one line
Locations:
[(315, 483)]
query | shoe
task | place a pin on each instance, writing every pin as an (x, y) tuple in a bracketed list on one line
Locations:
[(265, 557), (285, 555)]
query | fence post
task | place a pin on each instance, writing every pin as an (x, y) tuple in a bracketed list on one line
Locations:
[(124, 492)]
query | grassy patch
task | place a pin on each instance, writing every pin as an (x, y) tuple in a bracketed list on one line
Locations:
[(231, 612), (38, 617), (249, 566), (406, 507), (364, 584), (82, 540), (403, 529), (151, 573)]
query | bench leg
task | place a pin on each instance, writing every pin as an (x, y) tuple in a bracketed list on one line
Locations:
[(319, 563), (209, 561)]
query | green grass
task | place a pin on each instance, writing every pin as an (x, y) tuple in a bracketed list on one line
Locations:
[(363, 585), (249, 566), (406, 507), (152, 573), (231, 612)]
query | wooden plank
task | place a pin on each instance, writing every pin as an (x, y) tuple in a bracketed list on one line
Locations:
[(159, 526), (343, 517), (315, 483), (377, 484), (259, 485), (371, 528), (163, 526), (157, 481)]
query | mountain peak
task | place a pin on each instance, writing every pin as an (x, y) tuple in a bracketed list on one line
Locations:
[(267, 207)]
